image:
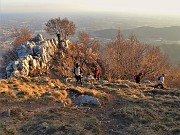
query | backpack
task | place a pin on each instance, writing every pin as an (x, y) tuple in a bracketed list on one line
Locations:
[(77, 71), (159, 78)]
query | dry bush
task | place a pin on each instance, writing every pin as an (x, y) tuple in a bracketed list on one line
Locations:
[(123, 57), (103, 96), (84, 51), (67, 101), (10, 55), (85, 39), (8, 93), (154, 63), (90, 93), (62, 28), (59, 95), (21, 36), (172, 77)]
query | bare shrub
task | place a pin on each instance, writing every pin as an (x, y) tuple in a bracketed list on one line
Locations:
[(62, 28), (172, 77), (21, 35), (123, 57), (59, 95), (10, 55), (154, 63), (82, 51), (87, 41)]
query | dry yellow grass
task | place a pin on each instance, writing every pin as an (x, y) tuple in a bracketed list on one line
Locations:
[(39, 105), (59, 95)]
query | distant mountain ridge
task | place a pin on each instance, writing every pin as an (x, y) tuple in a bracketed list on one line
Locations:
[(143, 33)]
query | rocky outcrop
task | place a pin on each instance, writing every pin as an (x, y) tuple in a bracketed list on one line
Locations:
[(32, 55)]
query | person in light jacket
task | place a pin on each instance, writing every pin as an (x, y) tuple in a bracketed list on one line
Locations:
[(160, 82)]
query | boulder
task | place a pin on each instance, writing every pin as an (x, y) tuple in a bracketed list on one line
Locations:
[(25, 49), (89, 100), (38, 38), (146, 81)]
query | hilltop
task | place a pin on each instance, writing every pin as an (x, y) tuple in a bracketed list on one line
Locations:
[(40, 97), (47, 106)]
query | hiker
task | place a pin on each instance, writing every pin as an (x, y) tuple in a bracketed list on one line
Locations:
[(138, 78), (96, 73), (160, 82), (135, 75), (78, 74)]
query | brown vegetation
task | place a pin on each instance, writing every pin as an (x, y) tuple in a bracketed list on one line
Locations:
[(30, 106), (21, 35), (78, 52), (124, 57), (45, 105), (62, 28)]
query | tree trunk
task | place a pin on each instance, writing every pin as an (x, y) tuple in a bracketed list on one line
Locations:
[(59, 40)]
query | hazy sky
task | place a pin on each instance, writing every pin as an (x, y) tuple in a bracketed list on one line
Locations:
[(166, 7)]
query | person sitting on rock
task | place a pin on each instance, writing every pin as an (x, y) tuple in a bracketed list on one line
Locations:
[(90, 78)]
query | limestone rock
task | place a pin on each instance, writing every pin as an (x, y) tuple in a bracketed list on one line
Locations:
[(38, 38), (87, 100), (32, 55)]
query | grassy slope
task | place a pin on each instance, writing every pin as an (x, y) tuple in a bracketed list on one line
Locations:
[(124, 110)]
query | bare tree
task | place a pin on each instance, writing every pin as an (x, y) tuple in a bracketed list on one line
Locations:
[(62, 28), (21, 35), (123, 57), (88, 42)]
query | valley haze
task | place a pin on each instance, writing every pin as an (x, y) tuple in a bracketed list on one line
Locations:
[(163, 30)]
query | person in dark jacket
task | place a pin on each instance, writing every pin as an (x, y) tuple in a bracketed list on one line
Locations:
[(78, 74), (138, 78)]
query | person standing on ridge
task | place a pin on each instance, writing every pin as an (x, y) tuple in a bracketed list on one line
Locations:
[(78, 72), (96, 73)]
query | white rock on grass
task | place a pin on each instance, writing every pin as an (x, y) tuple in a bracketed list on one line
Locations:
[(87, 100)]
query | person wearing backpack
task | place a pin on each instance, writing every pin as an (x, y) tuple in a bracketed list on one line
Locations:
[(78, 74), (160, 82)]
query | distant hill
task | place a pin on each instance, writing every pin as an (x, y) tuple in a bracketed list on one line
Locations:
[(172, 50), (144, 33)]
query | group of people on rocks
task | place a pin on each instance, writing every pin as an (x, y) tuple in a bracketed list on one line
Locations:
[(137, 76)]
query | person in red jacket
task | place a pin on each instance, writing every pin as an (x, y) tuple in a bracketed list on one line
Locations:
[(138, 78), (96, 73)]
